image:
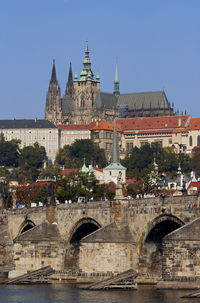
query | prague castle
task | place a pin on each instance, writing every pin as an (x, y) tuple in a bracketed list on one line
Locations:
[(83, 102)]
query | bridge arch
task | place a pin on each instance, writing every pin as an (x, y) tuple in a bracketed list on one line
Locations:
[(82, 228), (160, 227), (26, 225)]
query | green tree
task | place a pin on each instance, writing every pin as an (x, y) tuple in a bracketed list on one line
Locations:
[(9, 152), (51, 171), (31, 160), (72, 156), (196, 160)]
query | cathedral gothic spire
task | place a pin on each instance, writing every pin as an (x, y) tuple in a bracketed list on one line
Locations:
[(53, 110), (69, 91), (53, 74)]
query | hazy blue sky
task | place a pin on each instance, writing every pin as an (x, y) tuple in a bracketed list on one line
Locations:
[(157, 43)]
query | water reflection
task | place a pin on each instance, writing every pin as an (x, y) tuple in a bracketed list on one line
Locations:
[(68, 294)]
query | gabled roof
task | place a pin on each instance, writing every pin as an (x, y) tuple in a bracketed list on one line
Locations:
[(43, 232), (146, 100), (110, 234), (26, 123), (194, 124), (194, 184), (189, 232), (105, 100)]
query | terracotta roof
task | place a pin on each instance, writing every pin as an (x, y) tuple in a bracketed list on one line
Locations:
[(146, 123), (98, 169), (68, 171), (194, 184), (194, 124), (106, 126)]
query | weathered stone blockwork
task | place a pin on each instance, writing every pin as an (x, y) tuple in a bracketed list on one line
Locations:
[(105, 258), (181, 254)]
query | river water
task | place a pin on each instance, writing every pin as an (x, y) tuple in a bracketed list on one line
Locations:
[(63, 293)]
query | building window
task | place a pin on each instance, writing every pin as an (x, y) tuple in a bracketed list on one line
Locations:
[(190, 140), (129, 147), (97, 135), (198, 140)]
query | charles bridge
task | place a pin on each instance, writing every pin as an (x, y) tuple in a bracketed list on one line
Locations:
[(136, 226)]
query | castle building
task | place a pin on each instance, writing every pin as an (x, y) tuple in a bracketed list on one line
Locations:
[(83, 102)]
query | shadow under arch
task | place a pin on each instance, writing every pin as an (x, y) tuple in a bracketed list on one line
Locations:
[(26, 225), (82, 228), (160, 227)]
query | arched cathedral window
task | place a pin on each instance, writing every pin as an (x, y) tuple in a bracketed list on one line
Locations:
[(82, 101)]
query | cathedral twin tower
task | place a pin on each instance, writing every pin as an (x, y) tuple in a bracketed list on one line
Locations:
[(78, 104), (83, 102)]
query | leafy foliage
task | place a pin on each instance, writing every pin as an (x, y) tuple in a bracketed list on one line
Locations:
[(9, 152), (72, 156), (196, 160), (30, 160), (167, 160)]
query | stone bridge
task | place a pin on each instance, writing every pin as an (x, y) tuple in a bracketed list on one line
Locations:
[(123, 233)]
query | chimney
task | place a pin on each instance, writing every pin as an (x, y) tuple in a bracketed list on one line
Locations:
[(179, 122)]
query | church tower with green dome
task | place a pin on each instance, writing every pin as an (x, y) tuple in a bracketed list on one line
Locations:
[(86, 89)]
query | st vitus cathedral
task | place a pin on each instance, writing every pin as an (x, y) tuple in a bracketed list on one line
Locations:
[(83, 102)]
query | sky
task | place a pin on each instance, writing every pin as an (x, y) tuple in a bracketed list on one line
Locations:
[(155, 42)]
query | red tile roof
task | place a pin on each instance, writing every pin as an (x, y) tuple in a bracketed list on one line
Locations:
[(146, 123), (194, 184), (68, 171), (194, 124), (106, 126)]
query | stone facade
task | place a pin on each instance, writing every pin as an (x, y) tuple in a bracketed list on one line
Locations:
[(181, 254), (128, 228), (29, 132), (109, 249), (38, 247), (83, 102)]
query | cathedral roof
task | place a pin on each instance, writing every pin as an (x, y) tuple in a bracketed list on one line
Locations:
[(106, 100), (26, 123), (144, 100)]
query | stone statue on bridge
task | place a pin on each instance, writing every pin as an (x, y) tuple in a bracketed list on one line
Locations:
[(119, 187)]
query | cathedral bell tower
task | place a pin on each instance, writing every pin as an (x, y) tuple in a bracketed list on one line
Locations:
[(53, 109), (86, 90)]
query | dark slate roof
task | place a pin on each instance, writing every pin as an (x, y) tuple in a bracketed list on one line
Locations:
[(110, 234), (144, 100), (106, 100), (177, 179), (66, 106), (42, 232), (24, 123), (188, 232)]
